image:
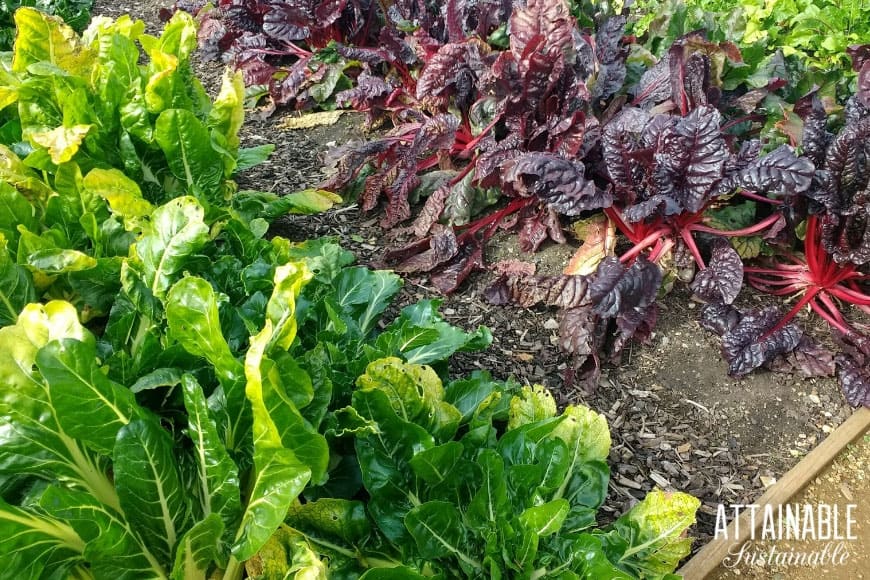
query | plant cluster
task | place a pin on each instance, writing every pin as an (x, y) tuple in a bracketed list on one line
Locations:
[(522, 118), (184, 398)]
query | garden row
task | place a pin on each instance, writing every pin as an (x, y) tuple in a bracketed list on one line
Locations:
[(524, 118), (184, 398)]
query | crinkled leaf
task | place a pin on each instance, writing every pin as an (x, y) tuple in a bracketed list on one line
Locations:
[(722, 279), (555, 181), (746, 346)]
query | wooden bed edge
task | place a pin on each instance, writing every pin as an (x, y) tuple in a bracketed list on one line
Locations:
[(711, 556)]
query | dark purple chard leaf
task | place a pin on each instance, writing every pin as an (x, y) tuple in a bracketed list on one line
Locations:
[(369, 91), (815, 138), (691, 158), (853, 368), (654, 86), (745, 156), (616, 289), (722, 279), (855, 380), (451, 275), (555, 181), (719, 318), (809, 358), (747, 346), (611, 57), (432, 209), (548, 19), (442, 247), (287, 22), (579, 333), (450, 71), (527, 291), (780, 171), (328, 11), (636, 324)]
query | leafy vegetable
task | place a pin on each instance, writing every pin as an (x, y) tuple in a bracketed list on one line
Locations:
[(482, 489)]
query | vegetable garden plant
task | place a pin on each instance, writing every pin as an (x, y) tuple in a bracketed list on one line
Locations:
[(183, 397), (524, 117)]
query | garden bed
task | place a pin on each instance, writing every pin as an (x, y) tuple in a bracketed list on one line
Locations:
[(678, 421)]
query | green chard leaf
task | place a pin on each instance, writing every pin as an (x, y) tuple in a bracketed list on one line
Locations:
[(198, 550), (149, 486), (89, 406), (217, 474), (186, 142)]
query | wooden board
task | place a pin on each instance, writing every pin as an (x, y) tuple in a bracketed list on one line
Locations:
[(711, 555)]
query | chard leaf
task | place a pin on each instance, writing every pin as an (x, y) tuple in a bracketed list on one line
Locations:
[(339, 518), (691, 159), (279, 479), (281, 309), (746, 345), (556, 181), (397, 573), (114, 550), (198, 549), (249, 157), (436, 465), (228, 111), (90, 406), (32, 545), (468, 395), (122, 193), (415, 394), (653, 531), (424, 316), (722, 279), (43, 38), (490, 503), (186, 142), (436, 527), (546, 519), (62, 143), (149, 486), (534, 403), (280, 476), (363, 295), (15, 210), (16, 286), (177, 230), (193, 320), (217, 474), (56, 261)]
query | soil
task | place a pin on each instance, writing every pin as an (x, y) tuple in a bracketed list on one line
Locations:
[(677, 420), (845, 481)]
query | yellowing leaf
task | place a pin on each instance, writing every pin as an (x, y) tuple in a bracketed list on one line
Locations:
[(599, 239), (266, 433), (43, 38), (8, 95), (312, 200), (63, 142), (281, 309), (122, 193), (228, 110), (310, 120)]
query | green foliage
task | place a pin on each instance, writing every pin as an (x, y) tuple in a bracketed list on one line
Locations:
[(96, 134), (805, 37), (476, 479)]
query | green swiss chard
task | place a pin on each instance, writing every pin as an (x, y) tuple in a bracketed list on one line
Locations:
[(475, 479)]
